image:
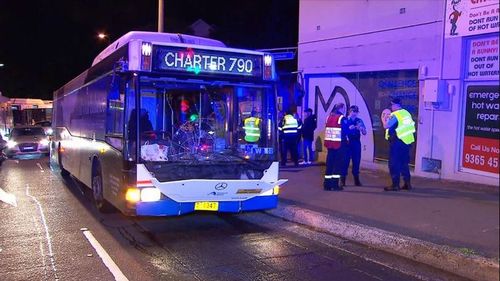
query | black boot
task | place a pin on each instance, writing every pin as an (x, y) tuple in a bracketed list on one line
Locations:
[(337, 185), (332, 184), (394, 186), (342, 181), (356, 181), (407, 186), (391, 188), (328, 184)]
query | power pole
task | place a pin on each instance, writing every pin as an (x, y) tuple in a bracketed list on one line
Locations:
[(160, 15)]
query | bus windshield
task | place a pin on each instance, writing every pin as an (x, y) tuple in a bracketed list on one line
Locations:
[(196, 122)]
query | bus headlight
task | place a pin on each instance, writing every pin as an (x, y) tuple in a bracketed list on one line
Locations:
[(11, 144), (150, 194)]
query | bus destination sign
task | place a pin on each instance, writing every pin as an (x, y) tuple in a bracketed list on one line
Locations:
[(201, 61)]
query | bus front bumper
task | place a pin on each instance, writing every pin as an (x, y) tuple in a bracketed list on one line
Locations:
[(169, 207)]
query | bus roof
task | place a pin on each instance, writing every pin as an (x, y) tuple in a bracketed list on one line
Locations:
[(156, 37)]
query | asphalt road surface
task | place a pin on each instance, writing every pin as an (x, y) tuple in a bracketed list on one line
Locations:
[(55, 233)]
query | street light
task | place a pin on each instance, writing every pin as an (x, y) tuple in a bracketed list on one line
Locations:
[(103, 37), (2, 65)]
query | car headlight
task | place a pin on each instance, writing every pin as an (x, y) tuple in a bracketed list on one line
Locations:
[(11, 143), (44, 142)]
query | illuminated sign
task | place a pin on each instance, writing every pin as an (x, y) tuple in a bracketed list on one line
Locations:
[(199, 61)]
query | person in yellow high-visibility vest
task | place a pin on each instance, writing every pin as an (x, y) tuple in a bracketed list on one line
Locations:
[(251, 125), (290, 128), (400, 128)]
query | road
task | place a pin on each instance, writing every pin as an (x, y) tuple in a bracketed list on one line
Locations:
[(55, 233)]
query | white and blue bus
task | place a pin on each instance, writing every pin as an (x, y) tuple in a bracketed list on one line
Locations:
[(156, 127)]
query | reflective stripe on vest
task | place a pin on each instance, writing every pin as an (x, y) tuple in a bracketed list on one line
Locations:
[(332, 176), (291, 125), (333, 134), (406, 126), (252, 131)]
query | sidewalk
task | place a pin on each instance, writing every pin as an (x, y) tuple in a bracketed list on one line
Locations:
[(454, 218)]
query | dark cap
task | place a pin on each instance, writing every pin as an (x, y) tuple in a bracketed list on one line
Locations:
[(309, 110), (354, 108), (396, 101)]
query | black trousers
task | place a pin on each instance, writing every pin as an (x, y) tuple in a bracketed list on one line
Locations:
[(334, 165), (290, 144), (399, 159)]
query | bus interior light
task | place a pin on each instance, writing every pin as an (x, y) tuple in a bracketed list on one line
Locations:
[(133, 195), (150, 194)]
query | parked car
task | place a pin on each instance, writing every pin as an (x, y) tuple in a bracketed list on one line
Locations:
[(46, 125), (27, 140)]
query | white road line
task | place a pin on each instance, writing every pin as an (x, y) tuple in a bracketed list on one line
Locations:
[(47, 234), (108, 261), (42, 251), (40, 166), (43, 259)]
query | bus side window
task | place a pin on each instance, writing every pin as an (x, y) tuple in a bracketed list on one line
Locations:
[(115, 115)]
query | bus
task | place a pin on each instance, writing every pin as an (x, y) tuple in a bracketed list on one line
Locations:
[(157, 127), (23, 111)]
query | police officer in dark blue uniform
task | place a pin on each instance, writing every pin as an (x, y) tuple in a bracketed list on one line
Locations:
[(353, 148)]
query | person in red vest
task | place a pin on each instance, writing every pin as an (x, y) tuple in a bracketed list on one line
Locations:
[(335, 142)]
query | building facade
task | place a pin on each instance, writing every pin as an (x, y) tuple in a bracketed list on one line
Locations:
[(440, 57)]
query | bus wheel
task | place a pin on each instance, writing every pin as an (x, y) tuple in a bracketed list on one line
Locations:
[(97, 190), (64, 172)]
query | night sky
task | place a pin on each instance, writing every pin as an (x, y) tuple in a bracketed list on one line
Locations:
[(46, 43)]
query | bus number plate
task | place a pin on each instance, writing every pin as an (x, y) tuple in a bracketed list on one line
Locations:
[(206, 206)]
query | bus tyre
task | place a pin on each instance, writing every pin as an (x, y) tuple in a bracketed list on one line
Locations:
[(64, 172), (97, 190)]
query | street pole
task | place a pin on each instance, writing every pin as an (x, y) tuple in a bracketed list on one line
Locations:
[(160, 15)]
